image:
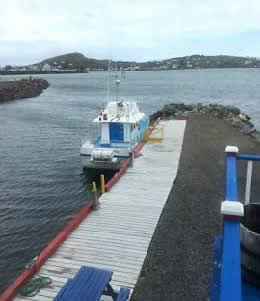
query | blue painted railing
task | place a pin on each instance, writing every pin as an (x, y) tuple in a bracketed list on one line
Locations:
[(230, 287), (248, 157)]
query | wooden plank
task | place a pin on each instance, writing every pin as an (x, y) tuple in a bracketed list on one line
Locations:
[(62, 262), (102, 234), (97, 253), (104, 256), (70, 273), (108, 247)]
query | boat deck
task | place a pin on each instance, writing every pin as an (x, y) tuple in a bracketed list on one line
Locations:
[(118, 234)]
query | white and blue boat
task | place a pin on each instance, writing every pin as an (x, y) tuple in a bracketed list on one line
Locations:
[(120, 128)]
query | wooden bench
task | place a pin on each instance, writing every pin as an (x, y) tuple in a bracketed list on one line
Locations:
[(89, 284)]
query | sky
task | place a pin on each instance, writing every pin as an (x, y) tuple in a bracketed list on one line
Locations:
[(136, 30)]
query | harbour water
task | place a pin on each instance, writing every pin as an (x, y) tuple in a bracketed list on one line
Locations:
[(42, 184)]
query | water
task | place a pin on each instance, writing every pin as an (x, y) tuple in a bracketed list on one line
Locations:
[(42, 184)]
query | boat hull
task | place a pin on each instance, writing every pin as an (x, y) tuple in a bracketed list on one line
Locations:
[(87, 162), (86, 154)]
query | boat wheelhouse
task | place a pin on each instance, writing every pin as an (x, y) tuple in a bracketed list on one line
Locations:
[(120, 128)]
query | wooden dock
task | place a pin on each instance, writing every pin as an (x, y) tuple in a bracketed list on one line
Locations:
[(117, 235)]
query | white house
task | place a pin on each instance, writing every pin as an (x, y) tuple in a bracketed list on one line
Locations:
[(46, 67)]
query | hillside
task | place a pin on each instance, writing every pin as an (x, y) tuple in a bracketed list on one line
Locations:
[(77, 61), (202, 62), (80, 62)]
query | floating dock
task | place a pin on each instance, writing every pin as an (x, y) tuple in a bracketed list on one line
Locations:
[(117, 235)]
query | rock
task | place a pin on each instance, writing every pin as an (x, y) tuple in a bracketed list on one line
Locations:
[(195, 110), (188, 108), (180, 113), (244, 117), (237, 123), (247, 130), (230, 113), (232, 110), (256, 135)]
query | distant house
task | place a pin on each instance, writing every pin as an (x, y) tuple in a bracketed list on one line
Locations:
[(163, 67), (174, 66), (248, 62), (46, 67), (257, 63), (34, 67), (156, 68), (134, 68)]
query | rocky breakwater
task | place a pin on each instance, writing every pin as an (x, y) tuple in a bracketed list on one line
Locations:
[(24, 88), (231, 114)]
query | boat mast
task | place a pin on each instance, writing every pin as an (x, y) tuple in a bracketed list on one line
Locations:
[(117, 84), (108, 80)]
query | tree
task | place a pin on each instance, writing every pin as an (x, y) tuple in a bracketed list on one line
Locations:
[(8, 67)]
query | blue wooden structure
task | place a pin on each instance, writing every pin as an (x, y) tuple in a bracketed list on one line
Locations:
[(227, 283), (231, 268), (90, 284)]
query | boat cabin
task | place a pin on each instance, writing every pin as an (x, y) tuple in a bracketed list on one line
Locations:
[(121, 124)]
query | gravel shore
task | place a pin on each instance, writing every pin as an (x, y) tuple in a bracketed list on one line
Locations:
[(179, 259)]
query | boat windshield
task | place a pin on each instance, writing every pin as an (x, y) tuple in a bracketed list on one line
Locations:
[(95, 133)]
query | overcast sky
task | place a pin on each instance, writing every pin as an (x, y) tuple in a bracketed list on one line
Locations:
[(32, 30)]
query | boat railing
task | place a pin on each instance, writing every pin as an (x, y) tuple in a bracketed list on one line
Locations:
[(120, 144), (231, 278)]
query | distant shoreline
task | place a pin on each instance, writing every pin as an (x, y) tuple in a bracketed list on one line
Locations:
[(38, 72), (140, 70)]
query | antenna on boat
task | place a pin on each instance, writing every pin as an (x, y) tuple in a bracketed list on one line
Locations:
[(123, 73), (117, 87)]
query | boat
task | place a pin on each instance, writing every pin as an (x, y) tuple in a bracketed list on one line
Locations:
[(119, 128)]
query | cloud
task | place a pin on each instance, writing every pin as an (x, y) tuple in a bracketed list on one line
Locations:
[(137, 30)]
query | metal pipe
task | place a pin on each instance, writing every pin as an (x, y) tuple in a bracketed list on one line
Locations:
[(248, 182), (248, 157)]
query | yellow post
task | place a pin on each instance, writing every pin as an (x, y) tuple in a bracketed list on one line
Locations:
[(96, 202), (102, 179), (94, 187)]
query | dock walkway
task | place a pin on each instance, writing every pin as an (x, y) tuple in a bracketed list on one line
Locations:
[(117, 235)]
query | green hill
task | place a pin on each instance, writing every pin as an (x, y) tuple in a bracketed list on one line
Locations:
[(76, 60), (80, 62)]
